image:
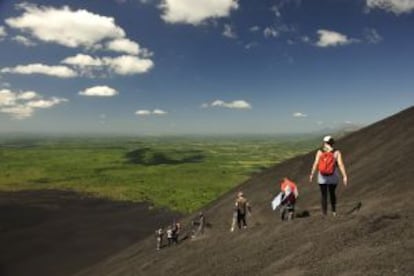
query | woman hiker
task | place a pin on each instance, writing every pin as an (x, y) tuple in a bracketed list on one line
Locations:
[(327, 161)]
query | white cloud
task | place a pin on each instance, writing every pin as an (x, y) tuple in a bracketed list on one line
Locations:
[(238, 104), (123, 45), (299, 115), (128, 65), (22, 105), (372, 36), (330, 38), (28, 95), (195, 12), (159, 112), (143, 112), (250, 45), (254, 28), (229, 31), (64, 26), (3, 32), (99, 91), (396, 6), (18, 111), (7, 97), (275, 9), (270, 32), (122, 65), (24, 41), (38, 68), (305, 39), (81, 60), (46, 103)]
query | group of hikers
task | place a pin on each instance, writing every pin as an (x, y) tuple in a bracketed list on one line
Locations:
[(172, 232), (327, 164)]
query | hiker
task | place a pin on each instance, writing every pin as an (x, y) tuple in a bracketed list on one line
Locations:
[(159, 233), (201, 223), (289, 195), (170, 236), (176, 227), (327, 161), (198, 225), (242, 207)]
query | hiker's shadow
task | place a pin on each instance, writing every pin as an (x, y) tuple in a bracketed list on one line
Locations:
[(303, 214), (355, 209)]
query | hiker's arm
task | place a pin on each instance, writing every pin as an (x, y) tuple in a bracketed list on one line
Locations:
[(315, 164), (342, 168)]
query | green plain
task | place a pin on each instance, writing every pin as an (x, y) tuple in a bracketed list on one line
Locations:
[(180, 173)]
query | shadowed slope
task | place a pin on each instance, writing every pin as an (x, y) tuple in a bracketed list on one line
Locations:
[(372, 235), (52, 232)]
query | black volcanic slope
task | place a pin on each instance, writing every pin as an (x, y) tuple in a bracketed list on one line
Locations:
[(373, 233), (58, 233)]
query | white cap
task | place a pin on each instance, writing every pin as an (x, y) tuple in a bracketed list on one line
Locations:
[(327, 138)]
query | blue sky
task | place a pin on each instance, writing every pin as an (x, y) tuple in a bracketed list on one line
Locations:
[(203, 67)]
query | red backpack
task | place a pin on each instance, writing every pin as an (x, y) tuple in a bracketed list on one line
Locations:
[(327, 163)]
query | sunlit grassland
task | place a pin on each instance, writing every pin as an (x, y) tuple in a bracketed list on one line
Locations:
[(180, 173)]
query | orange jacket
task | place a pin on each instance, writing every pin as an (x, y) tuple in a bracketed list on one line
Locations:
[(292, 186)]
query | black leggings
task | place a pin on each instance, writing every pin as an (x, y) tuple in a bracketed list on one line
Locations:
[(324, 193), (241, 219)]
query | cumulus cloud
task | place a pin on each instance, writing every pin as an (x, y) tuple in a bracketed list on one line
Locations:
[(330, 38), (73, 28), (128, 65), (3, 32), (7, 97), (82, 60), (396, 6), (99, 91), (238, 104), (22, 105), (24, 41), (299, 115), (229, 31), (121, 65), (270, 32), (195, 12), (28, 95), (145, 112), (45, 103), (38, 68), (64, 26), (124, 45)]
